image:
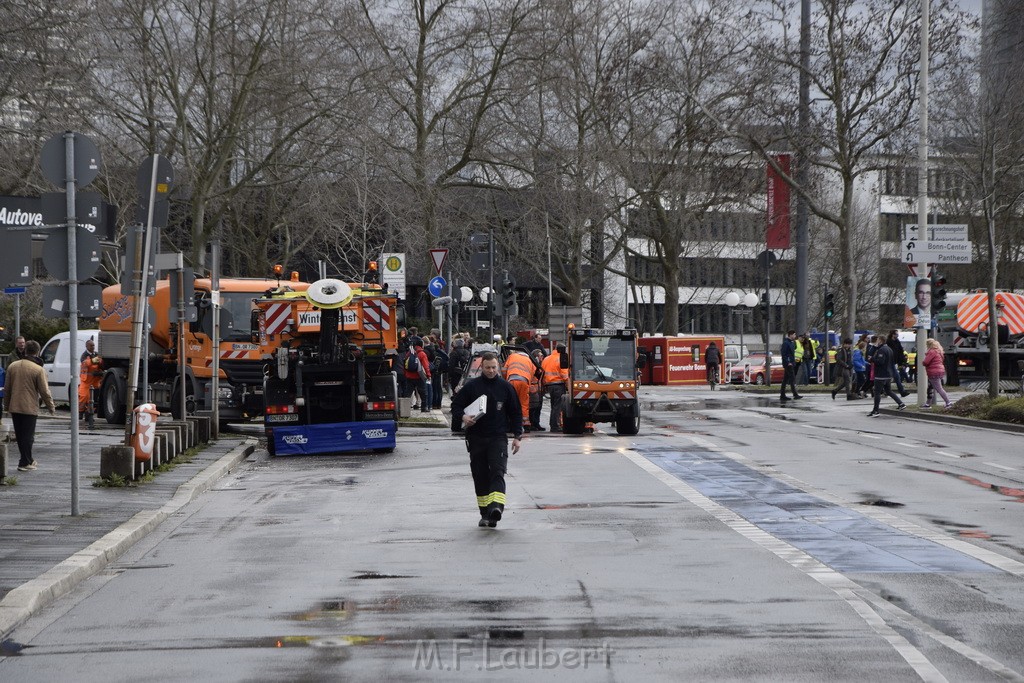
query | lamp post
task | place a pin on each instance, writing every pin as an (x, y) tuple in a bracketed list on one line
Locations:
[(749, 300)]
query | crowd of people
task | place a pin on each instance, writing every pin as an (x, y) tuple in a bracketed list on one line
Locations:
[(429, 368), (867, 369)]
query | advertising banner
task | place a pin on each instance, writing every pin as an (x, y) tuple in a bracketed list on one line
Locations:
[(777, 231)]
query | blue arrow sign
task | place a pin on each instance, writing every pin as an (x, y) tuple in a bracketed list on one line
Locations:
[(436, 285)]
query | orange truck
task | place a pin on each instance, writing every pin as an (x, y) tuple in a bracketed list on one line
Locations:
[(330, 385), (242, 360), (602, 366)]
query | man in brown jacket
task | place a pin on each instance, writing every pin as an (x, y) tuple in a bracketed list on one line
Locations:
[(24, 386)]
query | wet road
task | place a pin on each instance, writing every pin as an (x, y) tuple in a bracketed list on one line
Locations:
[(734, 541)]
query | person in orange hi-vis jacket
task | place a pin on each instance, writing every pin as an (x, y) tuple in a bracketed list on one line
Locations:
[(519, 368), (90, 375)]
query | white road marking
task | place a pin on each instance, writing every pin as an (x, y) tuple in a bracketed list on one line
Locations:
[(866, 436), (853, 593), (948, 455), (1002, 467), (798, 559)]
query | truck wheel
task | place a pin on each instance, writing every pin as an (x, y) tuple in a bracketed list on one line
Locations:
[(628, 424), (112, 398), (190, 403), (572, 423)]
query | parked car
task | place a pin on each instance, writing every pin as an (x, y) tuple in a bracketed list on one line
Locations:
[(756, 363), (733, 353)]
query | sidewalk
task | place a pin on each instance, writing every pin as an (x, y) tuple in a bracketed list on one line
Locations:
[(44, 551)]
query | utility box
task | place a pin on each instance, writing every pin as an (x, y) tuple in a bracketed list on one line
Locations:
[(405, 407)]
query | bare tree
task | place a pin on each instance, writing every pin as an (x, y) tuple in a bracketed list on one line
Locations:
[(435, 71), (863, 75), (686, 180), (42, 88), (984, 126), (236, 94)]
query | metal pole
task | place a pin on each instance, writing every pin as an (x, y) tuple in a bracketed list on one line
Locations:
[(451, 293), (17, 315), (922, 194), (768, 322), (551, 285), (180, 275), (140, 305), (828, 377), (215, 348), (144, 358), (802, 175), (490, 267), (69, 161)]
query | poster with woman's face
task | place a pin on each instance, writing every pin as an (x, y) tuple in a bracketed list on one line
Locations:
[(919, 303)]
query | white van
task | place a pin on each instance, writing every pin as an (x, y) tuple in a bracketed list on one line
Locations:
[(59, 365)]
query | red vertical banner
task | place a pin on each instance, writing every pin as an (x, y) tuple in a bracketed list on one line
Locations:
[(777, 229)]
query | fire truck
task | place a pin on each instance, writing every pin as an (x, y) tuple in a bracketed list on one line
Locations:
[(329, 385), (968, 337), (241, 361), (602, 366)]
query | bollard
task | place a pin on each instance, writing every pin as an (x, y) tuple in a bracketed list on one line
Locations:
[(3, 462), (202, 427), (170, 441), (117, 460), (160, 448)]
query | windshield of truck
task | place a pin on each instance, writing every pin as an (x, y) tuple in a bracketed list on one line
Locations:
[(603, 359), (239, 305)]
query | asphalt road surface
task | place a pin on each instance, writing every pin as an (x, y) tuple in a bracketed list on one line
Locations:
[(736, 540)]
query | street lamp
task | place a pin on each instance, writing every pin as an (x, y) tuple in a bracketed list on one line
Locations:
[(749, 300)]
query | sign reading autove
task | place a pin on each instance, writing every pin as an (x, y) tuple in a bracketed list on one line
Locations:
[(27, 212)]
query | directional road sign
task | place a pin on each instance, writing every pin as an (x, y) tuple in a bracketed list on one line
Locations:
[(436, 285), (14, 290), (945, 251), (936, 232)]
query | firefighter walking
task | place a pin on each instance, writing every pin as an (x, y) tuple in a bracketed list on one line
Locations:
[(487, 435)]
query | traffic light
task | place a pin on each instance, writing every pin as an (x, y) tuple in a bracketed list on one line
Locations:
[(830, 305), (938, 292), (764, 302), (508, 296), (372, 276)]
